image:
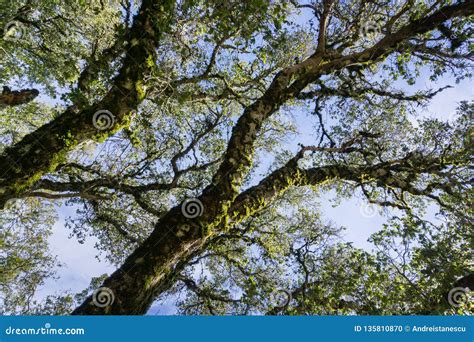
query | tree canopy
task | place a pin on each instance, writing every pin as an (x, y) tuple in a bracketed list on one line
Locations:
[(196, 140)]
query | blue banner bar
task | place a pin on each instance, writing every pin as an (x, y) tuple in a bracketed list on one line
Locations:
[(237, 329)]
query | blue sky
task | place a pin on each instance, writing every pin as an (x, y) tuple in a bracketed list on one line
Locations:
[(79, 260), (80, 263)]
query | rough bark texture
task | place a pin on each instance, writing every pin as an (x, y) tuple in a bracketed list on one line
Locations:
[(153, 266), (136, 283), (17, 97), (176, 237), (40, 151)]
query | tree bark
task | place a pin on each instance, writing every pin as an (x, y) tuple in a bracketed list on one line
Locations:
[(152, 267), (17, 97), (136, 283), (42, 150)]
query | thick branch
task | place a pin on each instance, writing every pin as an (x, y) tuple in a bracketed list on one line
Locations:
[(291, 81), (176, 237), (17, 97), (136, 283), (40, 151)]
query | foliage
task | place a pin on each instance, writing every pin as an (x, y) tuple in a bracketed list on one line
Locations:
[(258, 109)]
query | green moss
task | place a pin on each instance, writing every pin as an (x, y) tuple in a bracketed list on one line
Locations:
[(140, 89), (24, 184), (125, 122), (68, 140), (150, 62)]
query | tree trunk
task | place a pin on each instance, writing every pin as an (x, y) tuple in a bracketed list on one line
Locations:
[(150, 269), (42, 150)]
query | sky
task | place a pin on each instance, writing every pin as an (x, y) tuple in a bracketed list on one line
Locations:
[(79, 260), (80, 263)]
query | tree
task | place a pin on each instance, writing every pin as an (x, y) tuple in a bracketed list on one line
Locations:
[(188, 101)]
